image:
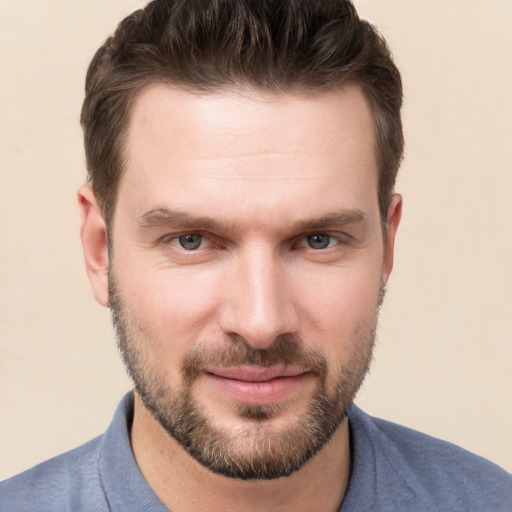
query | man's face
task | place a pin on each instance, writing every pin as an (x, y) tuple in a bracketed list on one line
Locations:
[(247, 269)]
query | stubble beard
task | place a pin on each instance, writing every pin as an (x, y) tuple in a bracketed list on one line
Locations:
[(255, 449)]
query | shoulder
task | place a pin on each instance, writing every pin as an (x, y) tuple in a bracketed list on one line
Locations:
[(435, 471), (62, 483)]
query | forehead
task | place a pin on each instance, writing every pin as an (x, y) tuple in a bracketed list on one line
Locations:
[(267, 148), (173, 115)]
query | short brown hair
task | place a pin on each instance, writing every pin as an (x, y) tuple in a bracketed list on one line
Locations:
[(206, 45)]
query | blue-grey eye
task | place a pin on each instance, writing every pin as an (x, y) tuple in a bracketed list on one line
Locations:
[(319, 241), (190, 242)]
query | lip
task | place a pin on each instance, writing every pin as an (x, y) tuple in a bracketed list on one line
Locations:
[(257, 385)]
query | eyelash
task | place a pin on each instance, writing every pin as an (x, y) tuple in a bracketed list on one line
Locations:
[(168, 240), (338, 239)]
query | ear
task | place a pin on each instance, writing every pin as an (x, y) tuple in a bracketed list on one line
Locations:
[(93, 232), (392, 222)]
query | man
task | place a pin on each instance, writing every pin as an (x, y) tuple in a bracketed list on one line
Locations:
[(239, 221)]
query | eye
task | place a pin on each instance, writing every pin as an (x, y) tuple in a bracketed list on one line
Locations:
[(190, 241), (319, 241)]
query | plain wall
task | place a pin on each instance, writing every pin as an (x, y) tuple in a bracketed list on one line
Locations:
[(444, 358)]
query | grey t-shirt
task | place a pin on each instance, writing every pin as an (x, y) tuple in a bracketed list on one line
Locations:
[(394, 469)]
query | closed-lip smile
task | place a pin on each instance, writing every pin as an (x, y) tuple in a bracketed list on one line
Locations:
[(257, 385)]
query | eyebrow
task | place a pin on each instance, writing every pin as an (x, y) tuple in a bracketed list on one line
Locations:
[(339, 218), (164, 217)]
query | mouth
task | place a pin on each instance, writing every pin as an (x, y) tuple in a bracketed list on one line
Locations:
[(257, 385)]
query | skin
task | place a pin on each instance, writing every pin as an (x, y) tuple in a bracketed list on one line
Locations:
[(269, 170)]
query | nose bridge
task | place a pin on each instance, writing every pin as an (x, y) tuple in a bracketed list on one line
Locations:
[(258, 305)]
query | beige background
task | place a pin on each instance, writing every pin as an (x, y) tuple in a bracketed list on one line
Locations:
[(444, 359)]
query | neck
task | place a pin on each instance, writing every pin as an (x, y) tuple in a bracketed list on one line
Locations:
[(183, 485)]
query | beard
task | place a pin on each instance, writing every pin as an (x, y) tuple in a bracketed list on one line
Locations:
[(255, 449)]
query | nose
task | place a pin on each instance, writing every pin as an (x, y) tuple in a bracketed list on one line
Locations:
[(258, 302)]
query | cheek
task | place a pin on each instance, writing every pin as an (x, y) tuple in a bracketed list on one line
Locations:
[(338, 307), (172, 308)]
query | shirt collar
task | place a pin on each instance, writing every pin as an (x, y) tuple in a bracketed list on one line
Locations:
[(125, 487)]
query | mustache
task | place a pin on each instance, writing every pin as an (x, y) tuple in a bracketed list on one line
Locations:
[(285, 350)]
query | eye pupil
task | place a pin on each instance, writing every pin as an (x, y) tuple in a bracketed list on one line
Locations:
[(318, 241), (190, 242)]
